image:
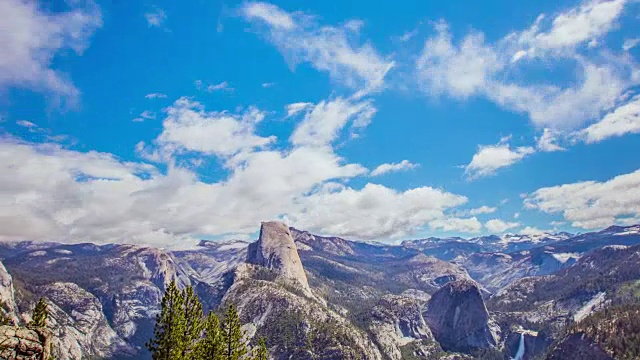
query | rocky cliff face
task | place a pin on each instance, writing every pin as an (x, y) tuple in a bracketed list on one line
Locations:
[(8, 305), (396, 322), (19, 343), (276, 251), (458, 317)]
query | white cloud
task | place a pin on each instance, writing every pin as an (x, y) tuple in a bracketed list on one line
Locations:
[(393, 167), (145, 115), (516, 215), (482, 210), (156, 17), (270, 14), (547, 141), (630, 44), (31, 37), (63, 195), (323, 121), (459, 71), (498, 71), (223, 86), (532, 230), (623, 120), (189, 128), (469, 225), (268, 84), (591, 204), (497, 226), (490, 158), (327, 48), (26, 124), (376, 211), (295, 108), (156, 96), (587, 22)]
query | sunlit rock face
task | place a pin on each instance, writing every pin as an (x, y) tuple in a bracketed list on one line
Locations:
[(276, 250), (458, 317)]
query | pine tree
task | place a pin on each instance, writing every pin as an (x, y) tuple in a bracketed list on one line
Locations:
[(261, 352), (193, 326), (40, 314), (235, 346), (211, 346), (170, 325)]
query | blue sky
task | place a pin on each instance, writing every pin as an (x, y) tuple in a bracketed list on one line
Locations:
[(163, 122)]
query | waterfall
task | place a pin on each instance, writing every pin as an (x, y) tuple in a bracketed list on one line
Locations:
[(520, 353)]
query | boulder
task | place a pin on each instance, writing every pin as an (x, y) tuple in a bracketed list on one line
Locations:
[(19, 343)]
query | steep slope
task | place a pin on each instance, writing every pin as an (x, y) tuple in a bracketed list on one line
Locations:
[(8, 306), (272, 295), (276, 251), (458, 317)]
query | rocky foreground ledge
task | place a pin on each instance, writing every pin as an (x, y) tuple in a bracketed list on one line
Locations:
[(19, 343)]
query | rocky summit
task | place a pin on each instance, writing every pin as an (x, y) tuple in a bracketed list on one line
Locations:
[(458, 317), (276, 251)]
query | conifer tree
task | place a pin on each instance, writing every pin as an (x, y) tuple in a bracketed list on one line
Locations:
[(235, 346), (211, 346), (166, 343), (40, 314), (261, 352), (193, 326)]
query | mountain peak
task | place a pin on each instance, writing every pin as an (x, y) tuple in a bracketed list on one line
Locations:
[(276, 250)]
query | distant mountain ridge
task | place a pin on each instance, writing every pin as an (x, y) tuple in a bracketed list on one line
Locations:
[(104, 297)]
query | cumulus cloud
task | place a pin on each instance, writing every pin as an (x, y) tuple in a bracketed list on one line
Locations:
[(333, 49), (591, 204), (460, 71), (497, 71), (623, 120), (498, 226), (393, 167), (532, 230), (482, 210), (469, 225), (57, 194), (490, 158), (188, 127), (32, 36)]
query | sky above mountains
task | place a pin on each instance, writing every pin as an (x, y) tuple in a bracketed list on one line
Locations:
[(164, 122)]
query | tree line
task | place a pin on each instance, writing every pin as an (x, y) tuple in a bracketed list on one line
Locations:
[(183, 332)]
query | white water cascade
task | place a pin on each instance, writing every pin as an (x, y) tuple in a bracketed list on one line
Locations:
[(520, 353)]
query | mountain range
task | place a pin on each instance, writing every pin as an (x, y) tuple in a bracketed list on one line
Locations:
[(320, 297)]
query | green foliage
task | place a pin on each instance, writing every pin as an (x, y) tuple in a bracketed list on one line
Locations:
[(235, 345), (211, 346), (40, 314), (193, 325), (261, 352), (166, 343), (616, 329)]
